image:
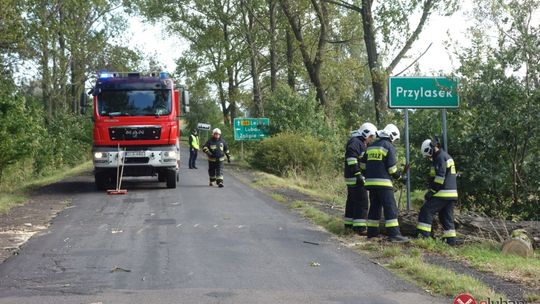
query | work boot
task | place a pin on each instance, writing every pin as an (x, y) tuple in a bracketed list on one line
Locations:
[(194, 167), (360, 230), (211, 183), (398, 239), (221, 185)]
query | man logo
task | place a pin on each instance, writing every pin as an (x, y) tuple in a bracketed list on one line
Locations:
[(464, 298)]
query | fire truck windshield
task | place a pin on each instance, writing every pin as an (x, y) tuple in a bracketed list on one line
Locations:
[(134, 102)]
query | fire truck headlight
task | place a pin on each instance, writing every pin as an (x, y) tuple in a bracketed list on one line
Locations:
[(170, 154), (99, 155)]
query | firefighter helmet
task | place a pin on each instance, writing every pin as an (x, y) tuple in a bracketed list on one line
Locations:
[(390, 131), (367, 129), (216, 130), (427, 148)]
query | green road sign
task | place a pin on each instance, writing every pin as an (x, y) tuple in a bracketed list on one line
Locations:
[(251, 128), (423, 92)]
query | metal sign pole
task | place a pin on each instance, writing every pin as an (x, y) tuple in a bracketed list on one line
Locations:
[(408, 159), (445, 137)]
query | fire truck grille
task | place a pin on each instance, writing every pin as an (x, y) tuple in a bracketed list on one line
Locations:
[(137, 160), (135, 133)]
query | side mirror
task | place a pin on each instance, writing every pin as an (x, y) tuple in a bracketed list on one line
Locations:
[(83, 102), (96, 91), (185, 101)]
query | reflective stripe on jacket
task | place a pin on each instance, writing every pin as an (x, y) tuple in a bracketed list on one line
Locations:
[(381, 164), (444, 183), (354, 150)]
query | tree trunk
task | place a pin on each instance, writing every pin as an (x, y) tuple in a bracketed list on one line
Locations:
[(378, 78), (223, 102), (254, 64), (475, 226), (291, 78), (273, 57)]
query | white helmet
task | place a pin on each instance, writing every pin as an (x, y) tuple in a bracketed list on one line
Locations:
[(427, 148), (390, 131), (216, 130), (355, 133), (367, 129)]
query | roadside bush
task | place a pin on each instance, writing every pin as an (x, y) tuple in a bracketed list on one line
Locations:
[(288, 153)]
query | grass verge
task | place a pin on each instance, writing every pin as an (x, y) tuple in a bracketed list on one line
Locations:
[(330, 223), (439, 280), (18, 194)]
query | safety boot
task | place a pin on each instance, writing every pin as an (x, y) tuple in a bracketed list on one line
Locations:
[(398, 239)]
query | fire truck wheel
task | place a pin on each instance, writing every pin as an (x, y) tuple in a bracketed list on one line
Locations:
[(171, 178), (162, 177)]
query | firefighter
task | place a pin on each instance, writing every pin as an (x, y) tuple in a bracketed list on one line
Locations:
[(381, 165), (356, 207), (193, 148), (442, 194), (216, 149)]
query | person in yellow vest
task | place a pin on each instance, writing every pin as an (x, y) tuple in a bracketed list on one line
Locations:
[(193, 148)]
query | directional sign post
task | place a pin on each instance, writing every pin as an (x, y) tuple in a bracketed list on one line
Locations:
[(250, 129), (203, 126), (422, 93)]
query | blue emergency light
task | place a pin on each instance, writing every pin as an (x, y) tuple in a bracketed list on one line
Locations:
[(104, 74), (163, 75)]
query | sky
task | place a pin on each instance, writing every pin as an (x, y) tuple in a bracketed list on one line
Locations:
[(153, 39)]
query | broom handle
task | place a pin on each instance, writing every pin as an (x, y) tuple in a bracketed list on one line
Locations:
[(122, 171), (118, 168)]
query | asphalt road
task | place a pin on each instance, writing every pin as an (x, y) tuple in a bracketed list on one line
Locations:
[(193, 244)]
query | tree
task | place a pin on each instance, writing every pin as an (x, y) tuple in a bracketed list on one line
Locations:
[(18, 126), (389, 23), (312, 63)]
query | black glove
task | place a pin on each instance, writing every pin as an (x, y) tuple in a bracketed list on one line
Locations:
[(229, 159), (428, 195), (360, 179)]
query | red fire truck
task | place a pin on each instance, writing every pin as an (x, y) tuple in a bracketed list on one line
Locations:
[(137, 125)]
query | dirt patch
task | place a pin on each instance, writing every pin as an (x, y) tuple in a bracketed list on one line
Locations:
[(20, 223)]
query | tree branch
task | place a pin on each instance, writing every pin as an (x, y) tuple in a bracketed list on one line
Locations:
[(418, 58), (428, 5), (345, 5)]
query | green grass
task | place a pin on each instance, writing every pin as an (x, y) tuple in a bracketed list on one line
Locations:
[(17, 194), (488, 257), (328, 189), (8, 201), (391, 251), (533, 297), (330, 223), (278, 197), (440, 280)]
